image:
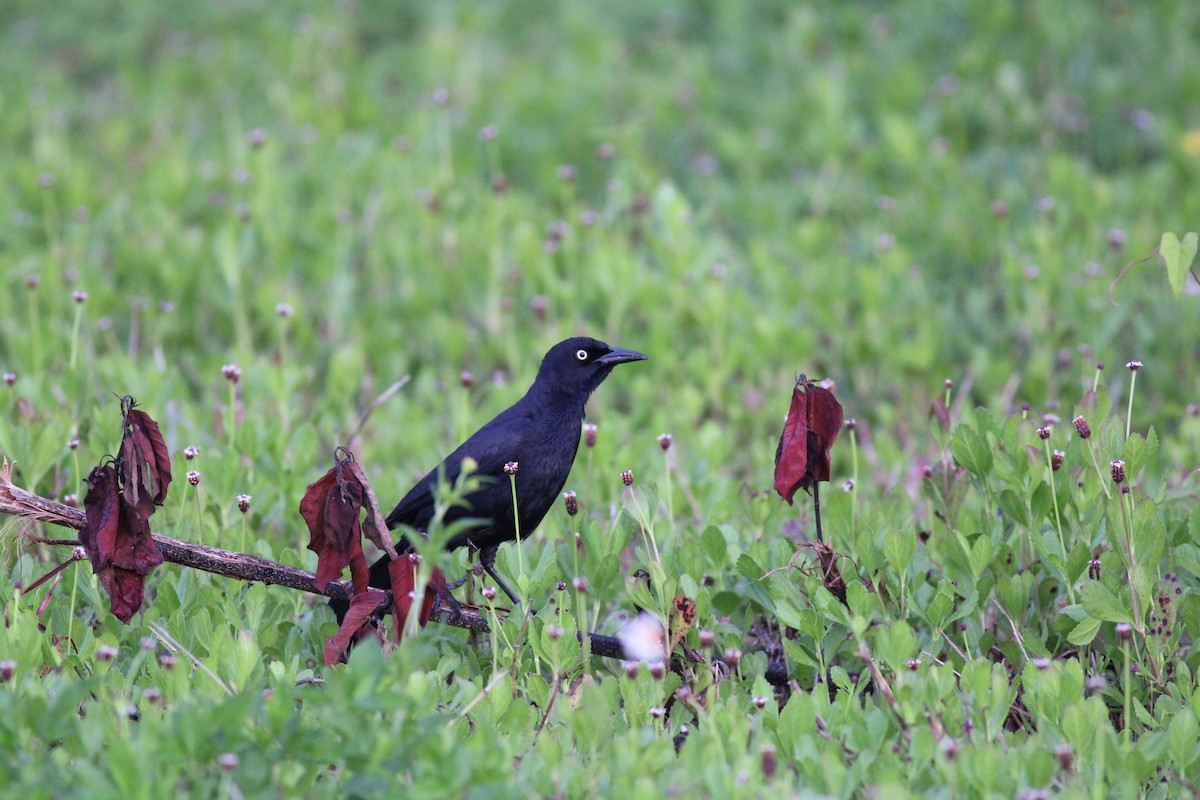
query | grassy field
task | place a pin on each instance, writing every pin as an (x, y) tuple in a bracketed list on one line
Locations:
[(924, 202)]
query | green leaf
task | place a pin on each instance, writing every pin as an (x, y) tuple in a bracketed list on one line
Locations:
[(712, 544), (1178, 258), (898, 549), (939, 606), (981, 555), (1102, 604), (1183, 732), (971, 451), (1041, 505), (1014, 507), (1149, 537), (1138, 451), (799, 654), (1084, 632)]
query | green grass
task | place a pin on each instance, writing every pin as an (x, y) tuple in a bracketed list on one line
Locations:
[(889, 196)]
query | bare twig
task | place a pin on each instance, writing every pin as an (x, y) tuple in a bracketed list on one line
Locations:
[(1113, 286), (885, 689), (376, 403)]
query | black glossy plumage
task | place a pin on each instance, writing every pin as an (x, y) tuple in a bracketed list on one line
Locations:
[(540, 432)]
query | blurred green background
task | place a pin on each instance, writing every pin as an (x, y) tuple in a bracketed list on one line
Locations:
[(885, 195)]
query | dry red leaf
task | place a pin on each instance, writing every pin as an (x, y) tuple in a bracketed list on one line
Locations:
[(118, 542), (126, 591), (331, 507), (145, 463), (356, 624), (374, 527), (403, 571), (813, 423)]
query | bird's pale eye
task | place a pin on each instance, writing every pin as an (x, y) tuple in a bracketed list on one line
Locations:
[(582, 355)]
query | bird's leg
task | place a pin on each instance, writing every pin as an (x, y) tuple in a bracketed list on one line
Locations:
[(472, 569), (817, 510), (487, 559)]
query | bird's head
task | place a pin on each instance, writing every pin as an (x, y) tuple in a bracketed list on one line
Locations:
[(579, 365)]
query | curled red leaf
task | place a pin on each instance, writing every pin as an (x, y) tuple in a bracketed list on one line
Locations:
[(403, 572), (813, 423), (145, 462), (355, 625), (118, 543), (331, 507)]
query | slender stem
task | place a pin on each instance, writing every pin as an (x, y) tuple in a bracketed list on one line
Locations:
[(199, 516), (1128, 733), (1130, 569), (1058, 522), (580, 609), (667, 482), (817, 509), (232, 419), (647, 528), (1099, 472), (71, 618), (75, 335), (854, 477), (512, 482), (1129, 412)]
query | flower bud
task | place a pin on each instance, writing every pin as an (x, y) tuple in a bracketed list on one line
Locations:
[(1056, 460), (1081, 427), (769, 763), (571, 501), (1064, 754), (1117, 469), (627, 477), (1043, 432), (243, 501), (589, 434)]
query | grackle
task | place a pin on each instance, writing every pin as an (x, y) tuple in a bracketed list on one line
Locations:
[(540, 432)]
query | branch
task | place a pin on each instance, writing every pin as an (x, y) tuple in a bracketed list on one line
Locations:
[(21, 503)]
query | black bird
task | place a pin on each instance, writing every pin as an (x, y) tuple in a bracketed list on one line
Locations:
[(540, 432)]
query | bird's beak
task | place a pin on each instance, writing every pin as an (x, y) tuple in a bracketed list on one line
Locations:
[(619, 356)]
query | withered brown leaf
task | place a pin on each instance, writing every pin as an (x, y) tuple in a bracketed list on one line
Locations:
[(331, 507), (355, 625), (813, 423)]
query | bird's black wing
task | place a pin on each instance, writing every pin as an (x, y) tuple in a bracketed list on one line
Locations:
[(492, 446)]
